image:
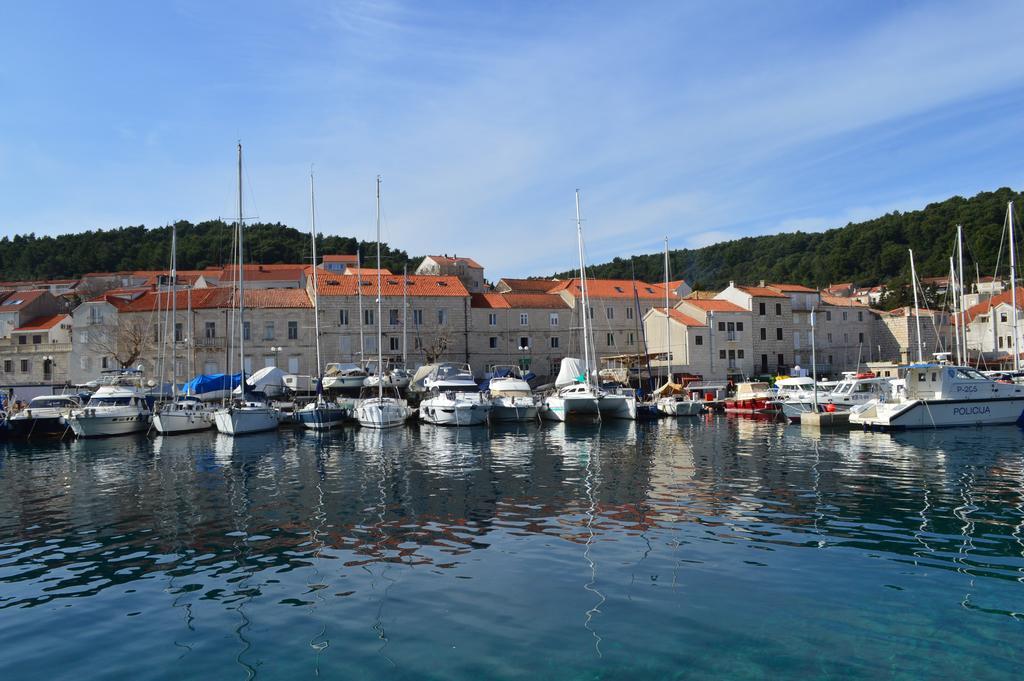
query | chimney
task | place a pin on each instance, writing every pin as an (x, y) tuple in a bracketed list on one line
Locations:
[(732, 284), (761, 284)]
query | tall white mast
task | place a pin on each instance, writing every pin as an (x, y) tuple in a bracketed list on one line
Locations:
[(668, 320), (190, 345), (174, 312), (241, 281), (380, 332), (316, 289), (583, 290), (1013, 288), (956, 309), (814, 359), (917, 309), (962, 315), (405, 313), (359, 297)]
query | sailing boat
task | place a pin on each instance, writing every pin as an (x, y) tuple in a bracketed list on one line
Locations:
[(380, 411), (320, 414), (185, 413), (247, 413), (574, 394), (671, 402)]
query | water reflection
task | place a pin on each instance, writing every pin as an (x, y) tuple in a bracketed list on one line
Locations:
[(375, 550)]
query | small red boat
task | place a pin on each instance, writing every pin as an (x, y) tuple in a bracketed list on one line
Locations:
[(752, 398)]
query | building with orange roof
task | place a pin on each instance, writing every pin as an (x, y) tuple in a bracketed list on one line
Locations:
[(531, 330), (990, 333), (697, 347), (508, 285), (338, 264), (36, 351), (469, 271), (772, 325)]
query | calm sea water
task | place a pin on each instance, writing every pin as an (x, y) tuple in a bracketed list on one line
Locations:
[(718, 548)]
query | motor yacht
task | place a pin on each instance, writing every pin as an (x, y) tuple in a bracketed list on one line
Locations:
[(45, 416), (116, 408), (512, 399), (454, 398)]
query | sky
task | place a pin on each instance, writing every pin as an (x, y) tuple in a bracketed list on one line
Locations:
[(695, 121)]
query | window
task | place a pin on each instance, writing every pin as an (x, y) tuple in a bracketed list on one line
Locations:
[(393, 344), (554, 342), (591, 311), (524, 318), (105, 363), (721, 354), (782, 360), (610, 339), (629, 338), (609, 312), (442, 317), (721, 326), (342, 317), (393, 317), (764, 362), (764, 334), (860, 315), (524, 343), (828, 315), (293, 330), (739, 353), (9, 365), (553, 319), (246, 330), (83, 336), (492, 342), (247, 364), (268, 331), (629, 313), (210, 367), (25, 366), (293, 364), (778, 309), (760, 309), (778, 334), (179, 332), (371, 343), (739, 326), (1000, 342), (1002, 316), (269, 360), (1009, 341), (846, 339), (36, 339), (698, 340), (210, 330), (367, 317), (796, 340), (860, 338), (492, 318), (830, 337), (417, 317), (845, 317), (417, 344), (22, 340)]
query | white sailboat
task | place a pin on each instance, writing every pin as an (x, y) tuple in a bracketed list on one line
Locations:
[(380, 410), (321, 413), (672, 402), (184, 413), (247, 413), (574, 393)]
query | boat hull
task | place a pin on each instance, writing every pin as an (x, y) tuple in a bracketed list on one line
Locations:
[(374, 413), (184, 421), (245, 420), (513, 409), (757, 405), (939, 414), (617, 407), (86, 425), (37, 426), (560, 408), (674, 407), (446, 413), (322, 417)]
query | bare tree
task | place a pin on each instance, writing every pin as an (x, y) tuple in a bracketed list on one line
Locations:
[(123, 337), (435, 348)]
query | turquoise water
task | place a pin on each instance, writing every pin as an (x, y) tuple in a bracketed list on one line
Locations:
[(718, 548)]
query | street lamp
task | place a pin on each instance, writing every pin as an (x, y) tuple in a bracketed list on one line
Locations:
[(276, 349), (47, 367), (523, 349)]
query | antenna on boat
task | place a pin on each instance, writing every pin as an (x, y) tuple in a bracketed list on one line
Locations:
[(1013, 288)]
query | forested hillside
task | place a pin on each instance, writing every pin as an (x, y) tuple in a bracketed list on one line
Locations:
[(871, 252), (200, 245)]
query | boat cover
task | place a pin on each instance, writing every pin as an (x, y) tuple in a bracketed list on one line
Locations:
[(209, 383), (571, 371)]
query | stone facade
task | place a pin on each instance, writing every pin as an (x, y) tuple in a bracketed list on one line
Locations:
[(531, 330), (772, 324)]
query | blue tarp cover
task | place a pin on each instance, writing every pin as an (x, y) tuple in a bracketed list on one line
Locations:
[(203, 384)]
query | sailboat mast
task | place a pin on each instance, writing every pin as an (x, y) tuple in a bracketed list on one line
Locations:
[(814, 359), (174, 312), (956, 310), (961, 279), (380, 332), (1013, 289), (359, 297), (668, 321), (190, 344), (316, 289), (241, 281), (405, 313), (917, 309), (583, 290)]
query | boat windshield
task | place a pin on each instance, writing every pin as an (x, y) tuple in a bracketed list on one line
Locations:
[(110, 401), (51, 402), (971, 375)]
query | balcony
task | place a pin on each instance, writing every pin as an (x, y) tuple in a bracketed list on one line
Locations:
[(733, 336), (37, 348), (207, 343)]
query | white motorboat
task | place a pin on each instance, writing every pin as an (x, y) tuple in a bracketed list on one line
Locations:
[(344, 376), (45, 416), (680, 405), (512, 399), (941, 396), (186, 414), (617, 403), (858, 388), (796, 396), (578, 400), (115, 409), (246, 413), (454, 398)]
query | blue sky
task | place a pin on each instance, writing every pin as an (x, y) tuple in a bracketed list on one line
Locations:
[(697, 121)]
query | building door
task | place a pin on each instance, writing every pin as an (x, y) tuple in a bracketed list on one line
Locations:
[(764, 364)]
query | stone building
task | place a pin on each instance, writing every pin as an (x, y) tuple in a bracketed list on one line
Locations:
[(772, 325), (729, 347), (990, 335), (468, 271), (896, 338), (531, 330), (37, 352)]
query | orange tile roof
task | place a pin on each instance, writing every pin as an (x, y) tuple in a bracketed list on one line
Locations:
[(986, 305), (279, 272), (446, 260), (761, 291), (518, 301), (701, 295), (344, 258), (364, 270), (42, 323), (529, 285), (715, 305), (423, 285), (614, 288), (19, 299), (677, 316), (841, 301), (792, 288), (214, 298)]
